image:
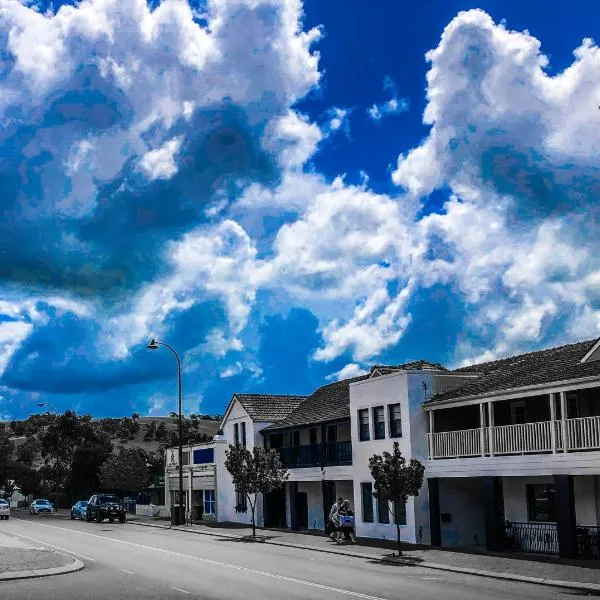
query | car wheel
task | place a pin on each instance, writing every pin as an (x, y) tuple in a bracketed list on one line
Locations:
[(72, 516), (122, 519), (99, 518), (111, 520)]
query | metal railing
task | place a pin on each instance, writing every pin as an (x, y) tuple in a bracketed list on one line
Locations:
[(588, 542), (527, 438), (537, 538), (317, 455)]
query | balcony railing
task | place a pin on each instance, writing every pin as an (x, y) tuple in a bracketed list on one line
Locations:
[(526, 438), (317, 455)]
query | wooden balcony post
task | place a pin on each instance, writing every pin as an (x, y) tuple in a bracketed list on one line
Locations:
[(563, 420), (491, 427), (430, 436), (551, 399), (482, 428)]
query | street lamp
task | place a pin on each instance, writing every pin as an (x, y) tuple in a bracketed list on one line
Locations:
[(46, 404), (154, 345)]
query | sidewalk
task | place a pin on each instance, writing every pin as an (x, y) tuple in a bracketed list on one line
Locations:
[(19, 560), (582, 575)]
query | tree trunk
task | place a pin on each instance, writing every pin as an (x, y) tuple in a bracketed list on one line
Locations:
[(399, 543), (252, 508)]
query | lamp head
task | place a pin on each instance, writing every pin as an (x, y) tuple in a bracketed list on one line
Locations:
[(41, 404), (153, 345)]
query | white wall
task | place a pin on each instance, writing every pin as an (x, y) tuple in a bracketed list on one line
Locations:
[(314, 496)]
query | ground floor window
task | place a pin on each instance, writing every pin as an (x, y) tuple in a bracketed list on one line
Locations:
[(367, 502), (383, 511), (240, 502), (399, 513), (541, 504), (209, 502)]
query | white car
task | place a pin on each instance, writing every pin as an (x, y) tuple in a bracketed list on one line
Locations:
[(4, 509), (40, 506)]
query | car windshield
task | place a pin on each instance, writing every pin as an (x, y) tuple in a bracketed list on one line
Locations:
[(42, 502), (104, 499), (3, 502)]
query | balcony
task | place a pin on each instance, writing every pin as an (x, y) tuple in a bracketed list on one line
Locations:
[(581, 434), (333, 454)]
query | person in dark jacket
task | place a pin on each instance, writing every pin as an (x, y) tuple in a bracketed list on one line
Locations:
[(346, 520)]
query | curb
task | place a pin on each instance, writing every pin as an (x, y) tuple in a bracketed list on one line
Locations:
[(572, 585), (76, 565)]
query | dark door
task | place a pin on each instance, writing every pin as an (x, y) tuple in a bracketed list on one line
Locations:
[(301, 510), (332, 434), (328, 499), (274, 507)]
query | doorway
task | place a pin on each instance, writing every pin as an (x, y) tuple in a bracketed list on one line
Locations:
[(301, 510), (274, 509)]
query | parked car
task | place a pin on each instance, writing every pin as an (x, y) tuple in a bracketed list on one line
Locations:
[(4, 509), (105, 506), (79, 510), (40, 506)]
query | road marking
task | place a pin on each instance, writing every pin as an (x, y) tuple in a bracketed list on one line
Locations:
[(424, 578), (179, 590), (217, 563), (63, 550), (128, 572)]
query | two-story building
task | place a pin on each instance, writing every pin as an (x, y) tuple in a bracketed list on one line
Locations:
[(514, 454)]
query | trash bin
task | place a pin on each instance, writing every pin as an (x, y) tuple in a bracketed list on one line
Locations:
[(198, 512), (176, 515)]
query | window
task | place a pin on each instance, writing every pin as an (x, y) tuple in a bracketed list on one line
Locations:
[(312, 434), (379, 422), (332, 434), (244, 434), (185, 458), (395, 421), (366, 490), (295, 438), (399, 513), (518, 412), (383, 511), (540, 502), (363, 425), (236, 434), (241, 504), (209, 502)]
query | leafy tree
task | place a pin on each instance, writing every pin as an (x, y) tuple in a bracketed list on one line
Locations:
[(27, 479), (150, 432), (28, 450), (174, 415), (395, 481), (18, 428), (253, 473), (85, 469), (161, 433), (173, 438), (6, 462), (126, 472)]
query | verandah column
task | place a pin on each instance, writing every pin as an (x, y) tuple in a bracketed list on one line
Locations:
[(563, 421), (491, 427), (565, 516), (551, 398), (430, 436), (482, 428)]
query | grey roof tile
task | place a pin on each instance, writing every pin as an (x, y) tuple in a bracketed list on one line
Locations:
[(269, 407), (543, 366)]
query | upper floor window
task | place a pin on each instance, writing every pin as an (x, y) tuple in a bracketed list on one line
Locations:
[(236, 434), (379, 423), (243, 434), (363, 425), (395, 421)]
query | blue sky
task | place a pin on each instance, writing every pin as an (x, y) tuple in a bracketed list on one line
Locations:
[(288, 193)]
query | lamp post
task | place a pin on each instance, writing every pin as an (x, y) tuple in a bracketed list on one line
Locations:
[(154, 345), (47, 405)]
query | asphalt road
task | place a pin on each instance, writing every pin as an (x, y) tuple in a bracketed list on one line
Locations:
[(129, 561)]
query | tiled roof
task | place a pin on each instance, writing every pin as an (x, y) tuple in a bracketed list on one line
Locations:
[(416, 365), (544, 366), (327, 403), (269, 407)]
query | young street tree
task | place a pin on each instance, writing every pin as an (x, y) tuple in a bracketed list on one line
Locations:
[(126, 472), (395, 481), (253, 473)]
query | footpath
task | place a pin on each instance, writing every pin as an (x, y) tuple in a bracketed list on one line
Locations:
[(574, 575), (19, 560)]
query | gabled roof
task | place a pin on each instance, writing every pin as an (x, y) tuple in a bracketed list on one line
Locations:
[(327, 403), (534, 368), (268, 407), (416, 365)]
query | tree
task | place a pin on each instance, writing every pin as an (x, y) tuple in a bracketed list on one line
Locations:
[(85, 469), (150, 432), (126, 472), (28, 450), (395, 481), (161, 433), (253, 473), (6, 462)]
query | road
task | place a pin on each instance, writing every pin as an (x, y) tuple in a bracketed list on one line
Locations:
[(130, 562)]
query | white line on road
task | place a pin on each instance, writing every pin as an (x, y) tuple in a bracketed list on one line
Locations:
[(128, 572), (217, 563), (53, 546), (179, 590)]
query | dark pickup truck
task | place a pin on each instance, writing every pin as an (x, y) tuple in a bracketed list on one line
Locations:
[(105, 506)]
